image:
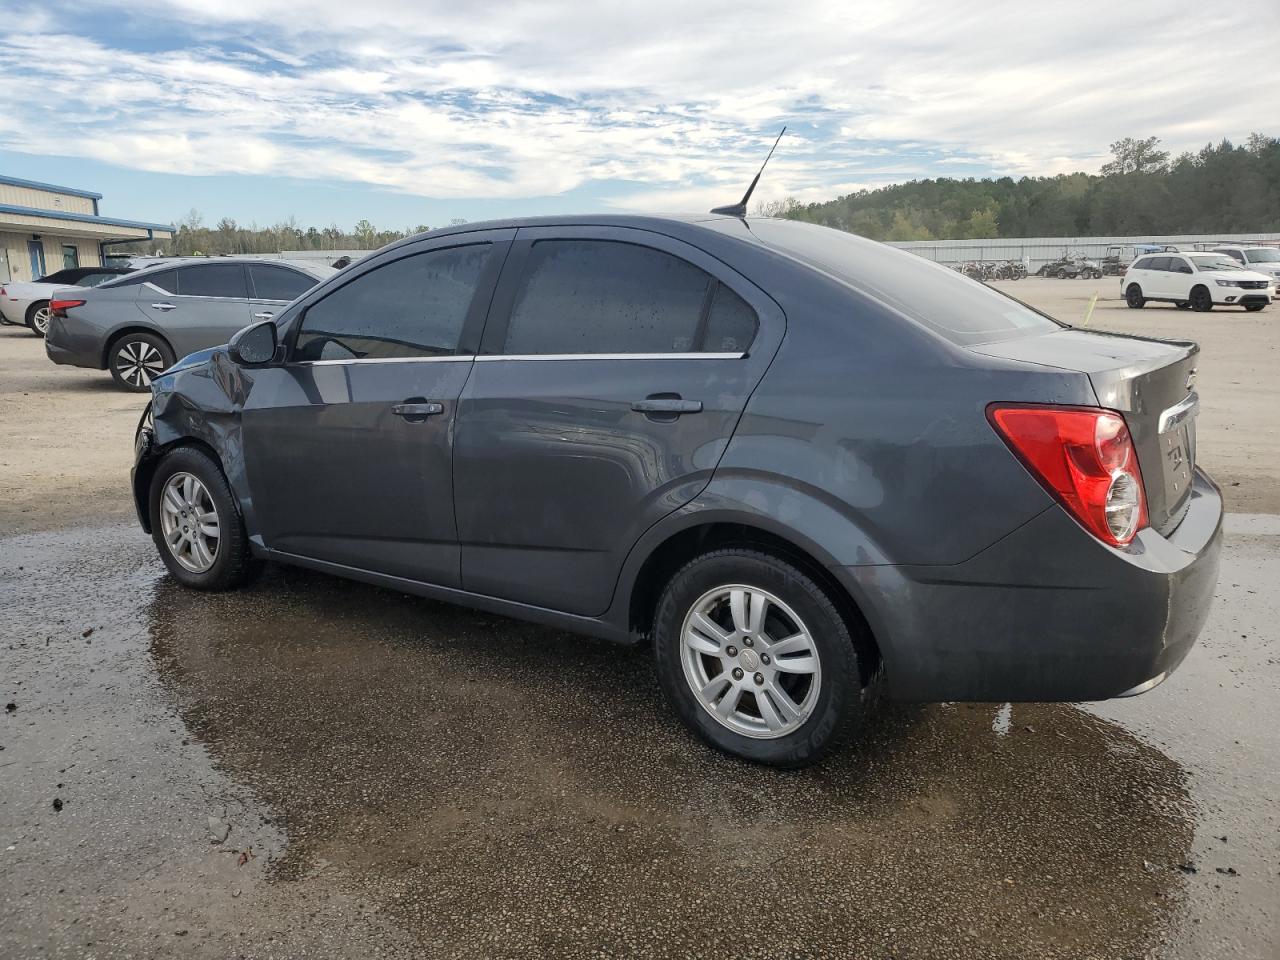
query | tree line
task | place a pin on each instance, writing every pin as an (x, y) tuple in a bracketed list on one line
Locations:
[(192, 238), (1141, 191)]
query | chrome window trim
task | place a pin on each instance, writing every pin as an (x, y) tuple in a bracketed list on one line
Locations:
[(609, 356), (328, 363), (1179, 413)]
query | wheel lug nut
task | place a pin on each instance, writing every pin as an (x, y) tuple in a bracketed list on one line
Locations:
[(764, 658), (737, 673), (759, 679), (732, 651), (747, 641)]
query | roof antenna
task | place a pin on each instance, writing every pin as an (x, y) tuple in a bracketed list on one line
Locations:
[(739, 209)]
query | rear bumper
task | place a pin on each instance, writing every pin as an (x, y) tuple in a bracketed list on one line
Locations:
[(1048, 613), (70, 349)]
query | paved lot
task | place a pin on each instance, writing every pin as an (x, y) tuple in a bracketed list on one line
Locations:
[(318, 768)]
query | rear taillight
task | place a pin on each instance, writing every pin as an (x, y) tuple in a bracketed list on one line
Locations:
[(59, 308), (1084, 456)]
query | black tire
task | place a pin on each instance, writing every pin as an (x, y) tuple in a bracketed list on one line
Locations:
[(1201, 300), (838, 707), (38, 318), (1133, 297), (1062, 274), (232, 562), (125, 352)]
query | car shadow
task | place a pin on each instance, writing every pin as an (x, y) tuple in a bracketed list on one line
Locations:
[(469, 774)]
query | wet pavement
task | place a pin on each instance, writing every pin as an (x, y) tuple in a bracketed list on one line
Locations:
[(312, 767)]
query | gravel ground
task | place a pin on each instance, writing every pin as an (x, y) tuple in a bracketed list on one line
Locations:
[(311, 767)]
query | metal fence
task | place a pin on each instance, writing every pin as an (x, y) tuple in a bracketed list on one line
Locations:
[(1037, 251)]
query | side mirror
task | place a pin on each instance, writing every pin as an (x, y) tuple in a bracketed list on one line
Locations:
[(254, 345)]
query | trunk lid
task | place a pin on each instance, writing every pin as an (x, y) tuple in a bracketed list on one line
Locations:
[(1151, 382)]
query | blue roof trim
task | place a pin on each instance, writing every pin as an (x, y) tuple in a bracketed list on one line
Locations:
[(83, 218), (52, 187)]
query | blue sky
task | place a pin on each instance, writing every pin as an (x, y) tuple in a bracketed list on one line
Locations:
[(413, 113)]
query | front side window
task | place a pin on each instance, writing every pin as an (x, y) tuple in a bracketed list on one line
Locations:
[(278, 283), (224, 280), (604, 296), (1143, 264), (1178, 265), (1159, 263), (412, 307)]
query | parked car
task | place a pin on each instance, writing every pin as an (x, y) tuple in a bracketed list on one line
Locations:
[(135, 326), (1264, 260), (1195, 280), (798, 462), (29, 302)]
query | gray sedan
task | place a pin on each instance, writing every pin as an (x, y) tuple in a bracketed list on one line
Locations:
[(138, 325)]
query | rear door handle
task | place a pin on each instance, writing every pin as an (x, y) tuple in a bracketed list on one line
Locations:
[(666, 405), (415, 410), (164, 306)]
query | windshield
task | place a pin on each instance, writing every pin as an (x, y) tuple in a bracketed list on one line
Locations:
[(1263, 256), (964, 311), (1215, 262)]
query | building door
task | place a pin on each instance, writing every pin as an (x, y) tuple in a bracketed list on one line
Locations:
[(35, 249), (5, 276)]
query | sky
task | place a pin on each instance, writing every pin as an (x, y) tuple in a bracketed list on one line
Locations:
[(415, 112)]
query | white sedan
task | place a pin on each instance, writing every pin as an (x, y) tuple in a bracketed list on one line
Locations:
[(28, 303)]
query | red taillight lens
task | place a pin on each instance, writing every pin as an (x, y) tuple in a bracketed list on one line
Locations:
[(1085, 457), (59, 308)]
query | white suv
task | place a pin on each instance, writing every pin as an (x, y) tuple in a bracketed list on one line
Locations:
[(1196, 280)]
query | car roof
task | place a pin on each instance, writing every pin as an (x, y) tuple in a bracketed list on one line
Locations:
[(313, 267)]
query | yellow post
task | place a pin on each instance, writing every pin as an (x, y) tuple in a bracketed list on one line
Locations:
[(1088, 314)]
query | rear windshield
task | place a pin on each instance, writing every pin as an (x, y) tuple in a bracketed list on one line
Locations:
[(964, 311)]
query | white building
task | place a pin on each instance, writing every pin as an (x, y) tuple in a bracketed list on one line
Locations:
[(44, 228)]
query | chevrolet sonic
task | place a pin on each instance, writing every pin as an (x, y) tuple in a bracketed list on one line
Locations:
[(796, 462)]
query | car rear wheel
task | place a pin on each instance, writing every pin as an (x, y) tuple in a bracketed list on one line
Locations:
[(136, 359), (38, 318), (1062, 274), (1201, 300), (755, 658), (1133, 297), (196, 524)]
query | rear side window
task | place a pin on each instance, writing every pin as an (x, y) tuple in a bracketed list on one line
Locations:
[(166, 280), (964, 311), (731, 324), (213, 280), (278, 283), (413, 307), (604, 296)]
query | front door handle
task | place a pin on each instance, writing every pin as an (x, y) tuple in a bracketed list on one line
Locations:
[(164, 306), (265, 315), (416, 410), (673, 405)]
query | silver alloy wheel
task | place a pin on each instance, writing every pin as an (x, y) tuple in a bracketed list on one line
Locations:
[(138, 362), (40, 320), (750, 661), (189, 522)]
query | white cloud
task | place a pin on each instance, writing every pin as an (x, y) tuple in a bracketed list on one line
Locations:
[(676, 100)]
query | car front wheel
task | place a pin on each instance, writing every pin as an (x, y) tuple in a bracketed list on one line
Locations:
[(1133, 297), (755, 658), (1201, 300), (136, 359), (38, 318), (196, 524)]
